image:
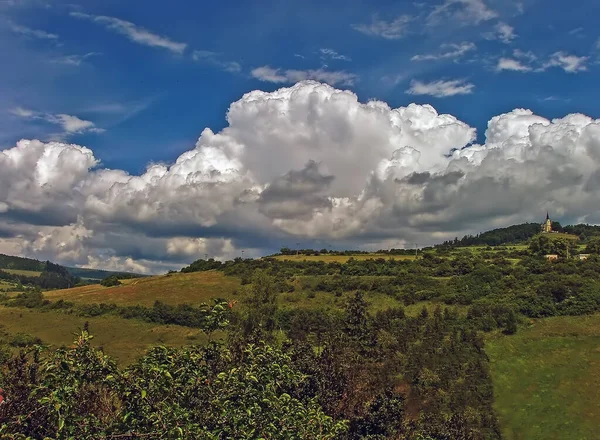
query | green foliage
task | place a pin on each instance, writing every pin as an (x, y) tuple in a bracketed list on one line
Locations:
[(544, 244), (196, 392), (111, 281)]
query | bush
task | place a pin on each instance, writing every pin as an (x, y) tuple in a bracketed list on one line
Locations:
[(111, 281), (25, 340)]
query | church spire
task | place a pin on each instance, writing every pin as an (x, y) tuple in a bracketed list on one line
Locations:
[(547, 216)]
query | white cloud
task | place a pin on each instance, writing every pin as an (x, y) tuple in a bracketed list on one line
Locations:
[(503, 32), (333, 55), (33, 33), (215, 60), (568, 62), (449, 51), (511, 64), (280, 76), (441, 88), (135, 33), (306, 163), (462, 12), (69, 123), (390, 30), (528, 62), (75, 60)]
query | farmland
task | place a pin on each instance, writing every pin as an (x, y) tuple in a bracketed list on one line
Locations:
[(547, 379), (123, 339), (176, 288)]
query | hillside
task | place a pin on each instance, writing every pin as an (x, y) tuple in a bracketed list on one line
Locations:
[(31, 267), (176, 288)]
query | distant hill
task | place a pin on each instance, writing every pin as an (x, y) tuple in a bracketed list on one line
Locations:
[(28, 264), (519, 234), (97, 274), (511, 235)]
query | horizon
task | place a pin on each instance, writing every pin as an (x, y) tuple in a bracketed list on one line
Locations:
[(140, 138)]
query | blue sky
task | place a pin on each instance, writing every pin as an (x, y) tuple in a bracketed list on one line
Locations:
[(142, 135), (154, 101)]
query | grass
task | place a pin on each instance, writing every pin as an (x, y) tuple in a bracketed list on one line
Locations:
[(177, 288), (341, 258), (27, 273), (124, 339), (547, 379)]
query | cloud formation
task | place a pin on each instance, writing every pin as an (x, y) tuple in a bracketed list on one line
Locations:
[(135, 33), (281, 76), (448, 51), (214, 59), (69, 123), (32, 33), (307, 163), (528, 62), (503, 32), (389, 30), (441, 88), (462, 12)]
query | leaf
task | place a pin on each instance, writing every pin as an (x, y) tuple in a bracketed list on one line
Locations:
[(143, 394)]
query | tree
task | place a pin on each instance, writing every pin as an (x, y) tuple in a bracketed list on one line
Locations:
[(593, 246), (259, 321)]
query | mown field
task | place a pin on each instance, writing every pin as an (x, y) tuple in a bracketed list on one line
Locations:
[(124, 339), (177, 288), (547, 379)]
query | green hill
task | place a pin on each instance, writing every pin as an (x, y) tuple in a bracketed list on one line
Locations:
[(31, 267)]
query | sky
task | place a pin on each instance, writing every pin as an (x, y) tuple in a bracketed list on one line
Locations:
[(143, 135)]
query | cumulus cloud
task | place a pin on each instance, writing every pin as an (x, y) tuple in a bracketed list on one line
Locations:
[(134, 32), (69, 123), (441, 88), (448, 51), (389, 30), (307, 163), (280, 76)]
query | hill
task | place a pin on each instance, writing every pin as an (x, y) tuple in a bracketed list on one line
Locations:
[(510, 235), (30, 267), (98, 274), (176, 288)]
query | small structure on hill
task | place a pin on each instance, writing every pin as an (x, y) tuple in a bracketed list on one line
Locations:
[(583, 256), (547, 225), (551, 257)]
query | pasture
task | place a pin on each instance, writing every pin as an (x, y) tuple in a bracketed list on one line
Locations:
[(124, 339), (175, 288), (27, 273), (547, 379)]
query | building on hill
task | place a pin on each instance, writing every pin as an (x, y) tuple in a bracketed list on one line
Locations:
[(547, 225), (583, 256), (551, 257)]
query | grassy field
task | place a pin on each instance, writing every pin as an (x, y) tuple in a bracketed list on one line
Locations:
[(547, 379), (193, 288), (27, 273), (341, 258), (124, 339)]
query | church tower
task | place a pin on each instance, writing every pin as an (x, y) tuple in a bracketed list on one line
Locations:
[(547, 225)]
